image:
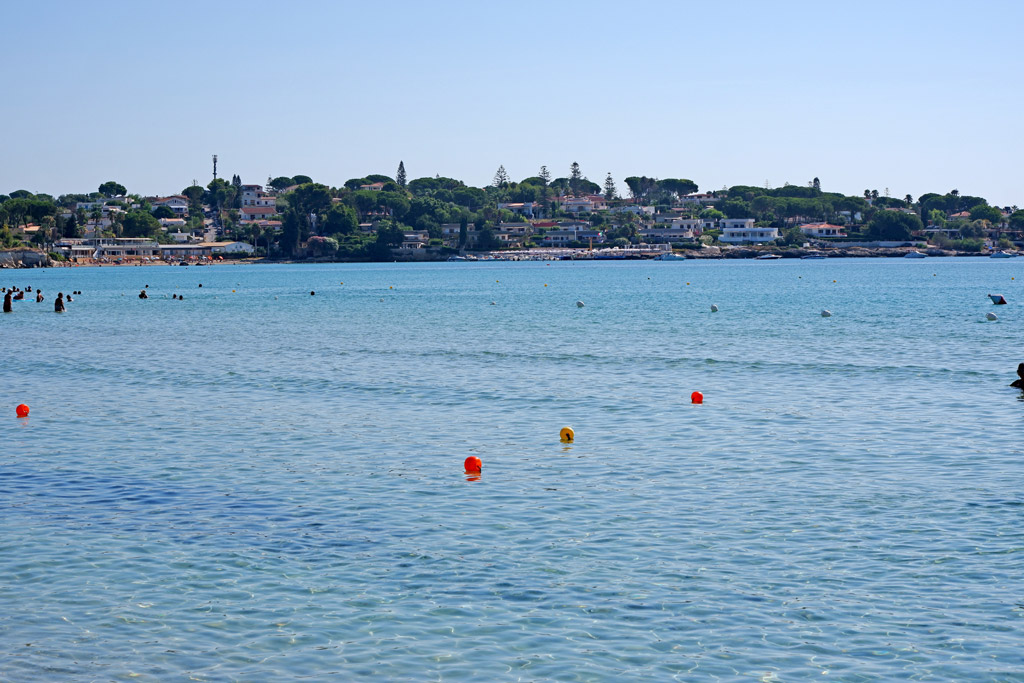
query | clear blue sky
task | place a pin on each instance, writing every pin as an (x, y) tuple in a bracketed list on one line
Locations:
[(911, 96)]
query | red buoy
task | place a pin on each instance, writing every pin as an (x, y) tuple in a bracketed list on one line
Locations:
[(697, 397), (473, 465), (21, 410)]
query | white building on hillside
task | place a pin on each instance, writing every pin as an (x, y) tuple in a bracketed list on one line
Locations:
[(822, 230), (742, 231), (177, 203)]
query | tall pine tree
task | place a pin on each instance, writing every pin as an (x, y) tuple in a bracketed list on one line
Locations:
[(544, 174), (609, 187), (500, 177), (400, 175), (575, 176)]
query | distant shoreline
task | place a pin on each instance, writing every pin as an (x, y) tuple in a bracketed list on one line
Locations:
[(711, 253)]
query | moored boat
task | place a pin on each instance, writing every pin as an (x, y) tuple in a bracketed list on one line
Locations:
[(915, 254)]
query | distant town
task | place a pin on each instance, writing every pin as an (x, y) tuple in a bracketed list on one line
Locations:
[(384, 218)]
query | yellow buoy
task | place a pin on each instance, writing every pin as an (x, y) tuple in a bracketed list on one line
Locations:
[(567, 435)]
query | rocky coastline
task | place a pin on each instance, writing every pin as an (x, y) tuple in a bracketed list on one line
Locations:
[(24, 258), (30, 258)]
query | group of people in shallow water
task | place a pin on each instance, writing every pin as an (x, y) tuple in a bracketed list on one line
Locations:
[(145, 295), (13, 294)]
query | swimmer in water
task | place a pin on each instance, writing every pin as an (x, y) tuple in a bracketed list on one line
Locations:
[(1019, 384), (7, 303), (58, 303), (39, 295), (143, 295)]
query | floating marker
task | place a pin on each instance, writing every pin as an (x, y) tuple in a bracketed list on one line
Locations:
[(545, 285), (714, 308), (312, 293), (21, 410), (580, 304), (494, 303), (697, 398), (473, 465), (826, 313), (997, 299), (566, 435), (991, 316)]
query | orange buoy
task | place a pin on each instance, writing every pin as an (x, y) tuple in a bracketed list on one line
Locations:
[(21, 410), (566, 435), (697, 398), (473, 465)]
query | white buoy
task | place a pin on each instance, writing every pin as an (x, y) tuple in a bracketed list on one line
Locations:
[(580, 304), (826, 313), (494, 303), (714, 308), (991, 316)]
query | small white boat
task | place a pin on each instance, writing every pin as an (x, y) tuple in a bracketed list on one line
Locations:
[(767, 257), (1002, 254), (915, 254), (669, 256), (457, 258), (813, 256)]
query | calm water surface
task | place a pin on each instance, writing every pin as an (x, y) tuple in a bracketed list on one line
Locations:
[(255, 483)]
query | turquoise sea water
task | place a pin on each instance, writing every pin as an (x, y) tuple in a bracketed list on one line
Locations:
[(256, 484)]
